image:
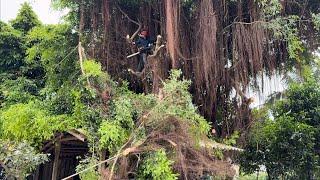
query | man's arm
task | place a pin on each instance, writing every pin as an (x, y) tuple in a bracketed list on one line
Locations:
[(137, 42), (152, 40)]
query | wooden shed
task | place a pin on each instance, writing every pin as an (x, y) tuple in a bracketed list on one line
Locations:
[(64, 150)]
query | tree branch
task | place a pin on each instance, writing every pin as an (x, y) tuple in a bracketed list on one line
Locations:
[(127, 16)]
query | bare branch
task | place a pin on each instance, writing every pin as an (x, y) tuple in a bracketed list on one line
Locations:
[(136, 33), (126, 15), (156, 51), (158, 46), (130, 39)]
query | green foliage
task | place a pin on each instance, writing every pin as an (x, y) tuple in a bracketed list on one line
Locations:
[(127, 108), (283, 146), (232, 140), (287, 146), (26, 19), (112, 135), (93, 69), (177, 102), (23, 117), (91, 174), (316, 20), (93, 72), (61, 101), (116, 130), (29, 122), (302, 103), (41, 56), (54, 47), (270, 8), (18, 83), (124, 112), (61, 4), (20, 90), (12, 49), (287, 29), (19, 159), (84, 111), (73, 10), (157, 166), (13, 44)]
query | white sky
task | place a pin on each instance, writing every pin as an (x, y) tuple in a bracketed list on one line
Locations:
[(9, 10)]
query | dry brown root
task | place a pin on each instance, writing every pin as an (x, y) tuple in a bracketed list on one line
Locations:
[(172, 134)]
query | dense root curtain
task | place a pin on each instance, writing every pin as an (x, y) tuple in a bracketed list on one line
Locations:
[(222, 46), (172, 31), (207, 66)]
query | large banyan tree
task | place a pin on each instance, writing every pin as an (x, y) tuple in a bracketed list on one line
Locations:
[(223, 46)]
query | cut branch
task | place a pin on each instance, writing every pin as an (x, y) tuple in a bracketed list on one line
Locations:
[(130, 39), (158, 46), (81, 55)]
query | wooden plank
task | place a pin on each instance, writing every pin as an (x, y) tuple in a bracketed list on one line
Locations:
[(37, 174), (134, 54), (77, 135), (55, 168), (69, 139), (51, 143)]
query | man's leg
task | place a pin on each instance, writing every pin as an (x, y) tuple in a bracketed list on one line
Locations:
[(144, 55), (142, 61)]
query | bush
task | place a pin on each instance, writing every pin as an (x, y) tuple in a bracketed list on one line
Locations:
[(288, 146)]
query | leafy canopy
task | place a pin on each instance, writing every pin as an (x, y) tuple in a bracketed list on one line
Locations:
[(30, 122), (26, 19), (11, 48), (288, 146)]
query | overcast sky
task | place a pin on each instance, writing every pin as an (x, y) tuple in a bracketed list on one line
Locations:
[(46, 14)]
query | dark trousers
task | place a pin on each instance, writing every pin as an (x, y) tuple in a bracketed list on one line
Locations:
[(142, 61)]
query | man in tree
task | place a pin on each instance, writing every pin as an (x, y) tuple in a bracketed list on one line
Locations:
[(144, 45)]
